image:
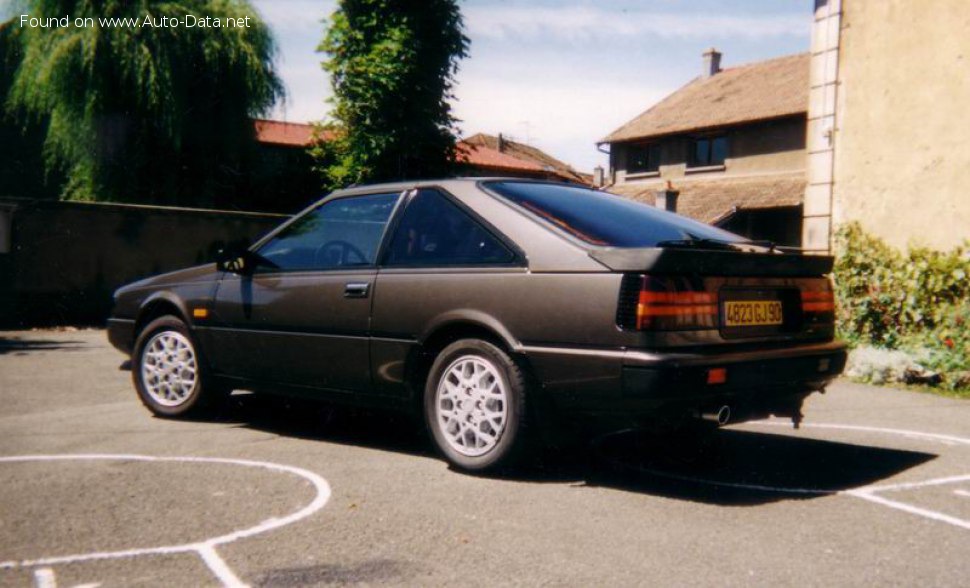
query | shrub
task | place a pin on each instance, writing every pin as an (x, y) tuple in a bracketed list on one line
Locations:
[(917, 300)]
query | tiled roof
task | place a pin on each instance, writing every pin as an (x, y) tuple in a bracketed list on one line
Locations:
[(277, 132), (711, 200), (486, 157), (479, 150), (758, 91), (528, 154)]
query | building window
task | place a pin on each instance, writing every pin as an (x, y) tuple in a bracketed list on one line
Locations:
[(708, 151), (643, 158)]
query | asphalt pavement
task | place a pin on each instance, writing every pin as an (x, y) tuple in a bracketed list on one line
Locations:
[(874, 489)]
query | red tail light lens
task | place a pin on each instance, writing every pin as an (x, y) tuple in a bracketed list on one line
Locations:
[(670, 304), (818, 299)]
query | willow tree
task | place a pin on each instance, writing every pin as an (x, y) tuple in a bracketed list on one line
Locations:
[(21, 162), (392, 65), (156, 114)]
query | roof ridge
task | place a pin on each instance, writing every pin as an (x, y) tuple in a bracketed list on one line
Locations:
[(655, 105), (759, 90), (763, 61)]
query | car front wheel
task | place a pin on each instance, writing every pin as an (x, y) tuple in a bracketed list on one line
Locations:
[(168, 371), (475, 401)]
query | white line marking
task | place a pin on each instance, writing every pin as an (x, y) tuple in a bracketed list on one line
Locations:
[(865, 492), (204, 549), (949, 439), (44, 578), (739, 485), (930, 514), (219, 567), (914, 485)]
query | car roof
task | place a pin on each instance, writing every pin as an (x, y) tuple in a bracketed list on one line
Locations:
[(442, 182), (545, 248)]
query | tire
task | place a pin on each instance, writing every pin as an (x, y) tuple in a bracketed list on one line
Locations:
[(169, 372), (475, 407)]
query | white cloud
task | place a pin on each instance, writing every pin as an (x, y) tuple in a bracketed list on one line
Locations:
[(583, 22)]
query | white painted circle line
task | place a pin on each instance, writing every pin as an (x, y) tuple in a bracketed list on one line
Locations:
[(206, 548), (948, 439)]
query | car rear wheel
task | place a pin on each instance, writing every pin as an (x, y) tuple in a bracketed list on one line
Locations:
[(168, 372), (475, 406)]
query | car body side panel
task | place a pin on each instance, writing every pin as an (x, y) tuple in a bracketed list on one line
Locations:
[(293, 328), (522, 308), (181, 291)]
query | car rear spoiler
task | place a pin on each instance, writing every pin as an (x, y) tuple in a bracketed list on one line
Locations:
[(660, 260)]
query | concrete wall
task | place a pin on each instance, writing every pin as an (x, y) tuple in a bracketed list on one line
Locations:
[(765, 147), (67, 258), (902, 144)]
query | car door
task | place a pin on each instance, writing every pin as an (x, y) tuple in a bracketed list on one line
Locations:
[(441, 258), (303, 316)]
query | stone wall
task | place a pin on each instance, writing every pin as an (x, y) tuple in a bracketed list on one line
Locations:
[(66, 258)]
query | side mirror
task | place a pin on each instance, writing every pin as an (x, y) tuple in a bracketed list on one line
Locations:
[(236, 259)]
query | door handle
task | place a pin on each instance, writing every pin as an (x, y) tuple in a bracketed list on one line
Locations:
[(356, 290)]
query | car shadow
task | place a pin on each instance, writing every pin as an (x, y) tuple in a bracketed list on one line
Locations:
[(317, 421), (741, 467), (16, 346), (728, 467)]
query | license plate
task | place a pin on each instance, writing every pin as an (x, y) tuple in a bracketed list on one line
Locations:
[(752, 313)]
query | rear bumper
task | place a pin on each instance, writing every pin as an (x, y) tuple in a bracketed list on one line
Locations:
[(639, 383), (677, 377)]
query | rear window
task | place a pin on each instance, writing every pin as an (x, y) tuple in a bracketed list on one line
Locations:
[(604, 219)]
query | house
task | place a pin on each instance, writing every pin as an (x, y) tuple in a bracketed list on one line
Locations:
[(280, 176), (728, 148), (888, 141), (488, 155)]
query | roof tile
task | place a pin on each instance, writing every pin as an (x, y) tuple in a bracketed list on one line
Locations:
[(283, 133), (710, 200), (758, 91)]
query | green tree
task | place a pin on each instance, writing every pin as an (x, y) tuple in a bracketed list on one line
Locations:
[(392, 65), (153, 114)]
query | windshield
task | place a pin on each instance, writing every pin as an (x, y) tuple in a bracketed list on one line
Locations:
[(604, 219)]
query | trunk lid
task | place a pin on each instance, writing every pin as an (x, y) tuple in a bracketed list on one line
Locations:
[(712, 262), (690, 296)]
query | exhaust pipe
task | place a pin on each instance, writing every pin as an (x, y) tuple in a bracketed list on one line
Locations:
[(721, 416)]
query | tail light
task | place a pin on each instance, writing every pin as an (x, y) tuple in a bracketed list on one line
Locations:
[(674, 303), (818, 300)]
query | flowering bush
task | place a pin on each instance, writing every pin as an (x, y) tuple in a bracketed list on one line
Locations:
[(917, 301)]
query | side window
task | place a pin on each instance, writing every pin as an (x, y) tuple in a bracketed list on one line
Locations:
[(435, 232), (643, 158), (708, 151), (341, 233)]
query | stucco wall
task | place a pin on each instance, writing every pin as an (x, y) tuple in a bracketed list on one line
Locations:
[(902, 144)]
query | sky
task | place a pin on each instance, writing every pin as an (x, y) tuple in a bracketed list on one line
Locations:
[(559, 75)]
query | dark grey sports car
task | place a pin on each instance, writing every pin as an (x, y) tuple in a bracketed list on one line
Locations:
[(500, 309)]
